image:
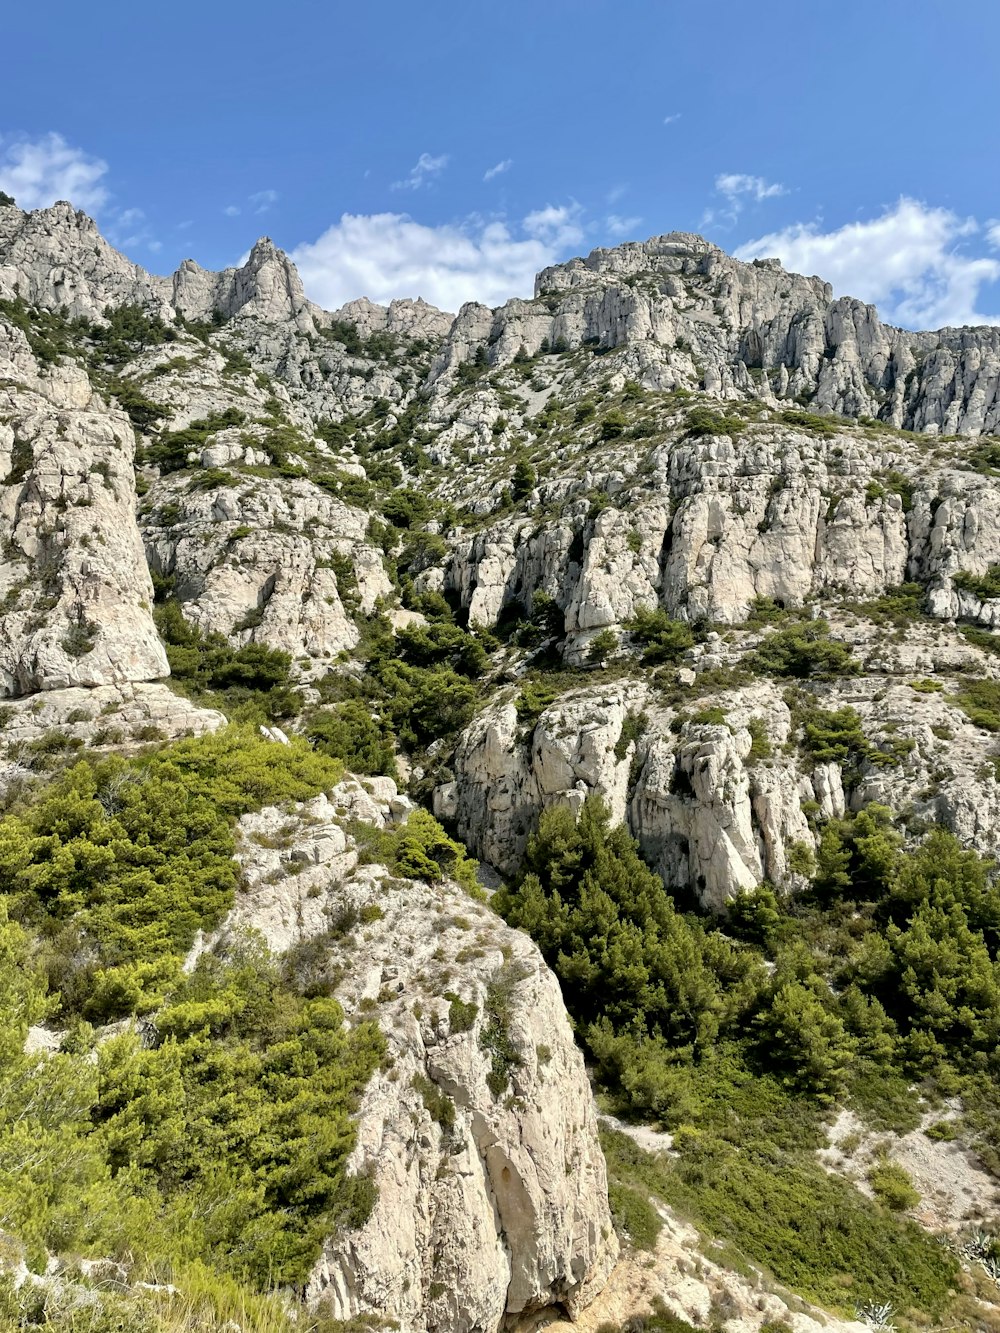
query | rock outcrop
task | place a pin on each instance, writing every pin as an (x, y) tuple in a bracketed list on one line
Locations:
[(479, 1132), (75, 592), (717, 792)]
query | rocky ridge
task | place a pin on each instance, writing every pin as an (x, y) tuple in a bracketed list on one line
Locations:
[(660, 430)]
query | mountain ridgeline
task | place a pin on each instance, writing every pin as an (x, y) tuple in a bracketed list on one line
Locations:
[(670, 594)]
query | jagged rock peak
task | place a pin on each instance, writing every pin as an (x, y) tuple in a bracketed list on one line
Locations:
[(56, 257)]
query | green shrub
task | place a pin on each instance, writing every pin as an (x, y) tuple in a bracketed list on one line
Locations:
[(634, 727), (407, 508), (170, 452), (979, 700), (704, 421), (613, 424), (809, 421), (419, 849), (212, 478), (461, 1014), (834, 735), (350, 733), (663, 639), (534, 699), (760, 741), (80, 638), (802, 651), (627, 961), (495, 1036), (523, 479), (892, 1186), (899, 606), (141, 411), (213, 670), (128, 331), (134, 857), (983, 586), (981, 638), (601, 646), (635, 1217)]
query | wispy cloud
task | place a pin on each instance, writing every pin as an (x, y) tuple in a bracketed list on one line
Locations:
[(619, 226), (427, 168), (670, 120), (232, 210), (736, 189), (38, 172), (908, 260), (263, 200), (128, 229), (734, 185), (499, 169)]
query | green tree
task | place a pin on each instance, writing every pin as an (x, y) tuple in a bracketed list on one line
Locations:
[(807, 1039), (523, 479), (613, 424), (804, 650), (350, 733), (663, 639), (601, 646)]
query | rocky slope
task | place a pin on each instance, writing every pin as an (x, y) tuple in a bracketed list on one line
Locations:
[(661, 431), (491, 1188)]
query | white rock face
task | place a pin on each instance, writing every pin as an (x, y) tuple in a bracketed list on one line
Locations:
[(709, 815), (496, 1205), (56, 257), (702, 816), (411, 319), (254, 562), (75, 593)]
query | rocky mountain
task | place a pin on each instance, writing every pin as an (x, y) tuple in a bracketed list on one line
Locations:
[(679, 532)]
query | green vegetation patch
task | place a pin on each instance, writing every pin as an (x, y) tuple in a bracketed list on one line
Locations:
[(217, 1130)]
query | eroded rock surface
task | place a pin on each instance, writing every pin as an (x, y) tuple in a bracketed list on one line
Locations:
[(480, 1131)]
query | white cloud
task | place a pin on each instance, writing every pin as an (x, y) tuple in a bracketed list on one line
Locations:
[(426, 168), (558, 227), (669, 120), (38, 172), (734, 184), (499, 169), (907, 261), (736, 188), (619, 226), (993, 233), (263, 200), (232, 211), (386, 255)]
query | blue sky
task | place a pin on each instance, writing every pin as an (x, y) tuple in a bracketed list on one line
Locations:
[(449, 149)]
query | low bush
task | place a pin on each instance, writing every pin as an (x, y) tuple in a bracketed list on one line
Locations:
[(979, 700), (802, 651), (983, 586), (662, 639), (351, 734), (254, 677)]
